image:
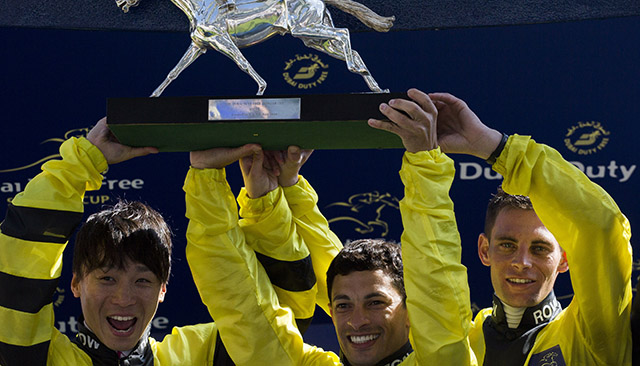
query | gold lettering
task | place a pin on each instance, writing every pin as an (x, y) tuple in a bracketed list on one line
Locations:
[(288, 64), (569, 146)]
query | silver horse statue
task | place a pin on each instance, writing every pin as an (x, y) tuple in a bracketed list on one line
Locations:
[(227, 25)]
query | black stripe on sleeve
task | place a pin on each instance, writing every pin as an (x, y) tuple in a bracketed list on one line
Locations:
[(289, 275), (303, 324), (220, 355), (25, 294), (39, 224), (36, 355)]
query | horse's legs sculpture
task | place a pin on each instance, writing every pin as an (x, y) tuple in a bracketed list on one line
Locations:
[(191, 55), (308, 20), (338, 47), (323, 36), (221, 43)]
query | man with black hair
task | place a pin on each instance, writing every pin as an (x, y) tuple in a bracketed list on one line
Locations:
[(368, 303), (278, 204), (119, 286), (121, 268), (214, 238)]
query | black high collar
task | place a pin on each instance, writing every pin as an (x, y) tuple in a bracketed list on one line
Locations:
[(101, 355), (508, 347), (532, 317), (393, 359)]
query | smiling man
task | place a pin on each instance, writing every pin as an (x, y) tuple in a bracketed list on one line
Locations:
[(366, 293), (368, 303), (525, 257), (575, 223), (121, 267)]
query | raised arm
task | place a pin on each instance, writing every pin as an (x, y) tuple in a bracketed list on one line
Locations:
[(34, 233), (590, 228), (254, 328), (435, 280), (584, 219), (311, 225), (271, 232)]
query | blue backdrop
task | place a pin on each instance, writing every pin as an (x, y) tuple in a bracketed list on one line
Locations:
[(553, 81)]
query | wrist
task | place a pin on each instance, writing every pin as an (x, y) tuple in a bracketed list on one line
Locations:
[(96, 155), (289, 181), (486, 143), (498, 150)]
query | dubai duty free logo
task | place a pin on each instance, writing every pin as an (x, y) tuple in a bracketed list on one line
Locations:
[(586, 138), (305, 71)]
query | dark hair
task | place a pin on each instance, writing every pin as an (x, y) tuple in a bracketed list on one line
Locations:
[(369, 255), (128, 230), (499, 201)]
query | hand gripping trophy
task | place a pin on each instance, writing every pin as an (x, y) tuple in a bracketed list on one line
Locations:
[(227, 25)]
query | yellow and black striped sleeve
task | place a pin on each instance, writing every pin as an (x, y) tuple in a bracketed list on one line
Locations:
[(33, 235), (313, 228), (253, 326), (271, 232)]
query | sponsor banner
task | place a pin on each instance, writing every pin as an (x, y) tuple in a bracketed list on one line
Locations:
[(576, 92)]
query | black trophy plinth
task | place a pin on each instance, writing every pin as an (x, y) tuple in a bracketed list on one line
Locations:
[(337, 121)]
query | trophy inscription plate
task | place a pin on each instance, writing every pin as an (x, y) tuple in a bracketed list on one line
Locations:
[(325, 121), (254, 108)]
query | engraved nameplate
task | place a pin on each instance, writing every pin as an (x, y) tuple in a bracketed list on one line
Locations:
[(254, 109)]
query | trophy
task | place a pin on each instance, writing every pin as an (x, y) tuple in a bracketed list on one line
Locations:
[(193, 123)]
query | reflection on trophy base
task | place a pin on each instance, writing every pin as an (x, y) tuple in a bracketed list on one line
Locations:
[(336, 121)]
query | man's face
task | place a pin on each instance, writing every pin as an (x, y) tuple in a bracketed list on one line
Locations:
[(524, 256), (370, 318), (118, 304)]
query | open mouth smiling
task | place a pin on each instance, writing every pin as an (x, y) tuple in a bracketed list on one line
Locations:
[(122, 324)]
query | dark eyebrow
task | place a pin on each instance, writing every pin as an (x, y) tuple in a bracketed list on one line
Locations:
[(341, 297), (543, 242), (138, 268), (367, 297), (375, 294), (505, 238), (142, 268), (510, 238)]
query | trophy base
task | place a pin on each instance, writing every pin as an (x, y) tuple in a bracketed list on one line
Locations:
[(336, 121)]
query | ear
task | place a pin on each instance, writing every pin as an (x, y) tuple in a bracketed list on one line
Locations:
[(75, 285), (483, 249), (163, 292), (563, 266)]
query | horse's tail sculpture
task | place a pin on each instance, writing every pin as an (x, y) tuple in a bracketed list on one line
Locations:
[(367, 16)]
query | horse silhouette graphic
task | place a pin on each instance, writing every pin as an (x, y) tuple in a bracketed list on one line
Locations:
[(365, 210), (78, 132), (549, 359)]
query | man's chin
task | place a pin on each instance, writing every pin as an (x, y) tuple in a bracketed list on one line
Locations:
[(361, 358), (122, 343), (522, 302)]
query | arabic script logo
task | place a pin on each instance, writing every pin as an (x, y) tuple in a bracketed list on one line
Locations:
[(305, 71), (586, 138), (77, 132)]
